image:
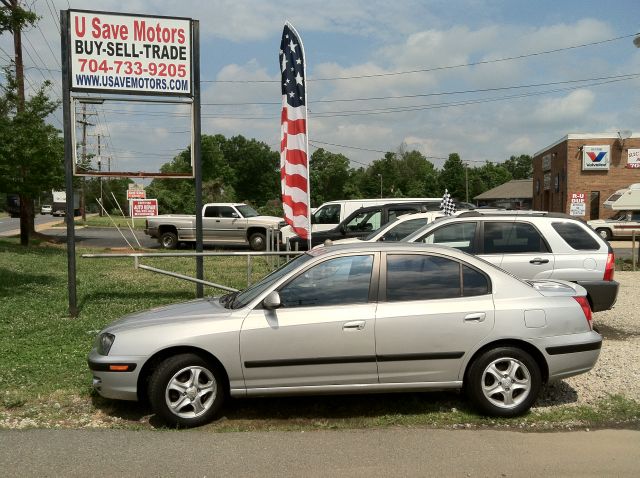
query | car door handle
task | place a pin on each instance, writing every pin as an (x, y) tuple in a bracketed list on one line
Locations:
[(355, 325), (539, 260), (477, 317)]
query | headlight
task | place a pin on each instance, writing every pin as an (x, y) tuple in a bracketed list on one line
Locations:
[(104, 342)]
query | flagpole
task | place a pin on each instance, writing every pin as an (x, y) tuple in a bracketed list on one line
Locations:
[(306, 115)]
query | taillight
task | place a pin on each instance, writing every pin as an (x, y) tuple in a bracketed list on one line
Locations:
[(586, 309), (610, 267)]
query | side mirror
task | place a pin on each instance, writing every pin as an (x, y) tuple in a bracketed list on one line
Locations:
[(235, 215), (272, 301)]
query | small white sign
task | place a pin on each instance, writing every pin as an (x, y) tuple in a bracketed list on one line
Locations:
[(595, 158), (633, 159), (578, 206)]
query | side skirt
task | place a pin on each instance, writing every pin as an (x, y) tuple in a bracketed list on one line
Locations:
[(346, 389)]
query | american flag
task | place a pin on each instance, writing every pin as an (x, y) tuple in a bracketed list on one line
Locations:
[(447, 205), (294, 166)]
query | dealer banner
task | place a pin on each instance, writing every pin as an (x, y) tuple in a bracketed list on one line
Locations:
[(133, 54), (633, 159)]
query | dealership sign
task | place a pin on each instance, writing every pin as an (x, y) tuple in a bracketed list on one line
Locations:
[(136, 194), (633, 159), (595, 158), (133, 54), (144, 207)]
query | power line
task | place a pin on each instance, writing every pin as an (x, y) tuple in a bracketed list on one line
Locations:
[(438, 68)]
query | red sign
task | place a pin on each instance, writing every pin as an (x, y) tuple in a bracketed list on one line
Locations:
[(144, 207), (136, 194)]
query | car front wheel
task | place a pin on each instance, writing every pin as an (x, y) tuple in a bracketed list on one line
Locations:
[(186, 391), (504, 382), (257, 241)]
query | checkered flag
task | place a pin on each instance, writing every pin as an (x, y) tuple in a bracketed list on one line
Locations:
[(447, 205)]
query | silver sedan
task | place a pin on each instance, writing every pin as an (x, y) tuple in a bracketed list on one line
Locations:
[(359, 318)]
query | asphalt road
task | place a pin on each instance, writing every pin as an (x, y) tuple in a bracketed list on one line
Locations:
[(353, 453), (11, 226)]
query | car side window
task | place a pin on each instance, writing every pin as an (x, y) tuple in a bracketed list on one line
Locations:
[(365, 221), (460, 235), (509, 237), (575, 236), (327, 215), (339, 281), (422, 277), (402, 230), (395, 213), (635, 216), (211, 211), (474, 282), (226, 211)]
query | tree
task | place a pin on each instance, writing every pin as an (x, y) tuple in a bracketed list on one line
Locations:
[(329, 175), (452, 177), (27, 118), (520, 167), (31, 151), (486, 177), (256, 169)]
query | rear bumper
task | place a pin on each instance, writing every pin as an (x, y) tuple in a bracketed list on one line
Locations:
[(572, 354), (602, 294)]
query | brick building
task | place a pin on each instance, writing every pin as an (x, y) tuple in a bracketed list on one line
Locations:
[(577, 173)]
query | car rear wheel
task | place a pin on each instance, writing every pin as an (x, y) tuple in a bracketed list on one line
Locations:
[(604, 234), (169, 240), (186, 391), (504, 382)]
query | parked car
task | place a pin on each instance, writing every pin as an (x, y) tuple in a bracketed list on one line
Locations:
[(397, 229), (533, 245), (231, 224), (623, 224), (370, 317), (46, 209), (359, 223)]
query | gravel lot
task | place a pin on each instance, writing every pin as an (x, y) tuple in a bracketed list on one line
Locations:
[(617, 371)]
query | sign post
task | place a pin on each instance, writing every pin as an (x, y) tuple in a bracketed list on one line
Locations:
[(108, 53)]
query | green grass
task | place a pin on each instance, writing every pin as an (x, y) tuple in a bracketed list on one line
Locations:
[(44, 380)]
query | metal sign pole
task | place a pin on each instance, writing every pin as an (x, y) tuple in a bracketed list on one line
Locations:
[(68, 163), (197, 157)]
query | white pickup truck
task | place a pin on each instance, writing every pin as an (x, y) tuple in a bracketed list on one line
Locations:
[(233, 224)]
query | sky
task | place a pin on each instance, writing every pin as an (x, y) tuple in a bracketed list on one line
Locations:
[(484, 79)]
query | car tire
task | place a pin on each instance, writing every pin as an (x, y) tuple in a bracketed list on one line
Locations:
[(604, 234), (257, 241), (503, 382), (186, 391), (169, 240)]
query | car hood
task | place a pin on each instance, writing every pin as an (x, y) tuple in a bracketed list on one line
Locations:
[(195, 310)]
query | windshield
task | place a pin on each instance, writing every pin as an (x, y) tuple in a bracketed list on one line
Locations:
[(247, 211), (237, 300), (620, 216)]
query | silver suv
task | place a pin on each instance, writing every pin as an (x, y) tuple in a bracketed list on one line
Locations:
[(533, 246)]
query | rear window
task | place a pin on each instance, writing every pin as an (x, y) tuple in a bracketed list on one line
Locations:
[(577, 237)]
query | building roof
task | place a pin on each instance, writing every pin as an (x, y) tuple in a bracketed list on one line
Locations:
[(514, 189), (610, 135)]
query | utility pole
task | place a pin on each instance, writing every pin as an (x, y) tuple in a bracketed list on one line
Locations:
[(84, 124), (100, 170), (466, 180), (26, 203)]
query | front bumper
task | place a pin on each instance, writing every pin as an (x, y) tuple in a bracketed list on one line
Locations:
[(602, 294), (119, 385), (151, 231)]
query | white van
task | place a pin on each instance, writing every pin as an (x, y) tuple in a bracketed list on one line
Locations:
[(331, 213)]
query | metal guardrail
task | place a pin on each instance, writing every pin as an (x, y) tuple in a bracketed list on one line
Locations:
[(136, 256)]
